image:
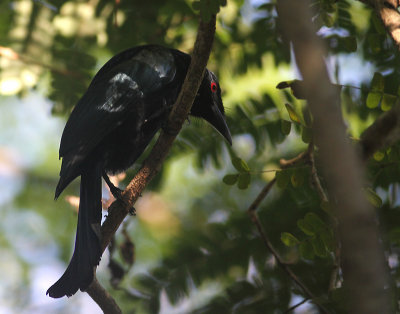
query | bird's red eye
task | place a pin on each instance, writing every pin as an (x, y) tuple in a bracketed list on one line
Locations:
[(214, 87)]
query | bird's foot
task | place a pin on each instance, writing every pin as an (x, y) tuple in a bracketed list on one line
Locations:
[(117, 193)]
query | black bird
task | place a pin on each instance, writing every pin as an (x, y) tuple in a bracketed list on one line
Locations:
[(127, 102)]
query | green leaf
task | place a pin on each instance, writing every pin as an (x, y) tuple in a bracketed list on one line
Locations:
[(374, 42), (289, 239), (196, 5), (350, 43), (377, 83), (328, 240), (327, 207), (388, 101), (319, 247), (230, 179), (317, 224), (379, 155), (373, 198), (297, 178), (328, 6), (285, 127), (306, 250), (327, 19), (292, 113), (240, 165), (306, 135), (393, 154), (306, 227), (244, 180), (376, 21), (214, 6), (373, 99), (282, 178)]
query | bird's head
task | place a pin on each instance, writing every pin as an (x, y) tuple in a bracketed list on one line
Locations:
[(208, 105)]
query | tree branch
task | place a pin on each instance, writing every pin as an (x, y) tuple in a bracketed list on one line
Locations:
[(387, 10), (384, 132), (103, 299), (151, 166), (251, 211), (364, 270), (179, 113)]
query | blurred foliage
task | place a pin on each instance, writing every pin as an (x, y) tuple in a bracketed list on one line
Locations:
[(195, 248)]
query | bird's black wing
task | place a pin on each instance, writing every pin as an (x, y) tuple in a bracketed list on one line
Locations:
[(119, 90)]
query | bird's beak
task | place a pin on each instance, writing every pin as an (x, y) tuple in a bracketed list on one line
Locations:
[(217, 120)]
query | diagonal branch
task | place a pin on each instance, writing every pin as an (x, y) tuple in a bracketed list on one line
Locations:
[(179, 113), (251, 211), (103, 298), (152, 165)]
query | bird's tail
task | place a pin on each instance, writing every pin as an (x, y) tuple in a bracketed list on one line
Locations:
[(87, 253)]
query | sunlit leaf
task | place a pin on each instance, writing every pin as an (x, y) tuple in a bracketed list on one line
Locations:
[(373, 198), (373, 99), (317, 224), (289, 239), (240, 165), (379, 155), (292, 113), (306, 227), (388, 101)]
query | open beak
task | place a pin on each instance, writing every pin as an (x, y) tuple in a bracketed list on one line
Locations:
[(217, 120)]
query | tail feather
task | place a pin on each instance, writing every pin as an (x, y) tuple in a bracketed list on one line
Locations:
[(87, 253)]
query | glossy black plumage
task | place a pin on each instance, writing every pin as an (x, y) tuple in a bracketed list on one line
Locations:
[(127, 102)]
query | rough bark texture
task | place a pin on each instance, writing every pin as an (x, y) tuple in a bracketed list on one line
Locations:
[(363, 264), (384, 132), (387, 10), (103, 298)]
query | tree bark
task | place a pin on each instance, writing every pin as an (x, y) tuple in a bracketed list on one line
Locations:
[(364, 269)]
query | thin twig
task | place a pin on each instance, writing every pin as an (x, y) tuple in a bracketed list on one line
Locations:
[(314, 175), (324, 197), (296, 306), (11, 54), (264, 192), (286, 163), (251, 211), (103, 299)]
